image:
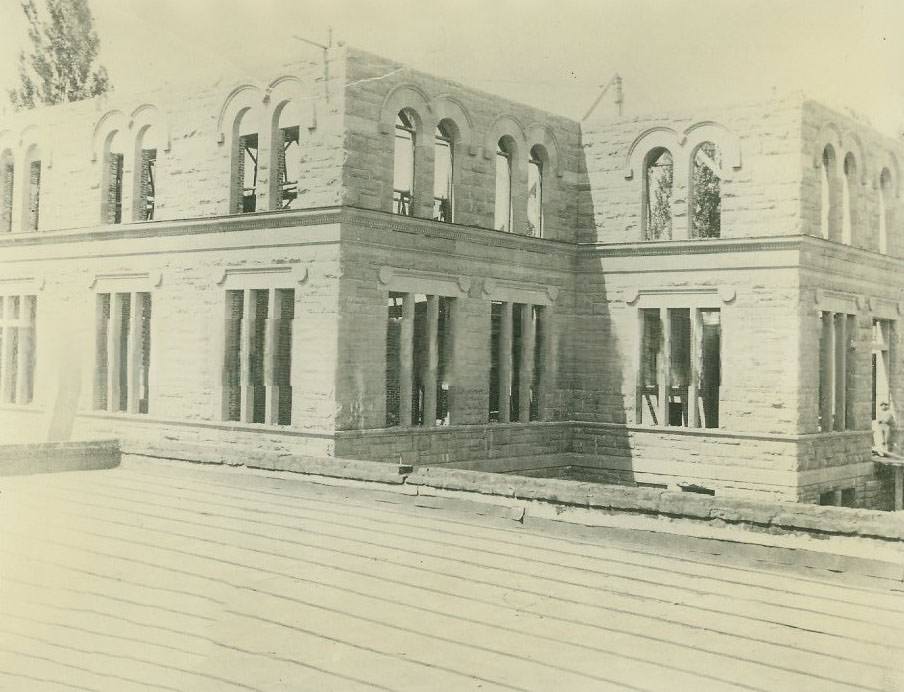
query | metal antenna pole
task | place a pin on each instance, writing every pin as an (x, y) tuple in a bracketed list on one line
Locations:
[(326, 64), (619, 95)]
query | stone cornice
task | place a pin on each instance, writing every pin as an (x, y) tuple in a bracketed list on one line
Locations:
[(692, 247)]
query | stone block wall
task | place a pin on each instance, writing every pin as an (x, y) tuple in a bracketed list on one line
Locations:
[(379, 89), (761, 163), (191, 128), (872, 154)]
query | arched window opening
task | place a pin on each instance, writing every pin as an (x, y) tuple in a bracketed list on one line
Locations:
[(111, 203), (504, 155), (245, 163), (658, 177), (403, 164), (7, 177), (145, 197), (535, 169), (848, 201), (885, 202), (287, 153), (827, 201), (32, 197), (706, 192), (443, 162)]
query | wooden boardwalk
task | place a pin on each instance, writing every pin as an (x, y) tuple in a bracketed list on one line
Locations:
[(161, 576)]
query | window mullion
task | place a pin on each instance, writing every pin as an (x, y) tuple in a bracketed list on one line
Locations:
[(696, 352), (665, 364)]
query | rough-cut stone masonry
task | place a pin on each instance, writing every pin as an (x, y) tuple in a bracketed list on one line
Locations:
[(786, 264)]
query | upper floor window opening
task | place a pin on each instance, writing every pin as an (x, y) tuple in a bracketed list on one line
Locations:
[(245, 162), (7, 179), (403, 164), (827, 219), (657, 198), (885, 197), (285, 157), (112, 176), (848, 199), (32, 192), (706, 192), (145, 197), (535, 171), (443, 163), (505, 151)]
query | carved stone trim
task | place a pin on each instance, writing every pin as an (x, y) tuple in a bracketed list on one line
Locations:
[(425, 282), (680, 296), (525, 292), (262, 276), (104, 282), (836, 301), (17, 285)]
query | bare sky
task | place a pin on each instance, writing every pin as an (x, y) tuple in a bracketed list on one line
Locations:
[(552, 54)]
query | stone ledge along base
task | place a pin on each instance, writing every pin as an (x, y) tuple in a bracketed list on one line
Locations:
[(53, 457), (764, 517)]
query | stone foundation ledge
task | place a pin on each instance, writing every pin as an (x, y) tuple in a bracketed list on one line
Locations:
[(54, 457), (715, 511)]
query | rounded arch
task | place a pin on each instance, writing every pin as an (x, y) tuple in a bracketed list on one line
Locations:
[(542, 135), (646, 142), (148, 116), (239, 101), (408, 97), (110, 122), (885, 161), (710, 131), (446, 108), (852, 145), (829, 135), (505, 126)]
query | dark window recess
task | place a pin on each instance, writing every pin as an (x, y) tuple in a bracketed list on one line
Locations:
[(495, 331), (246, 175), (34, 195), (393, 358), (288, 167), (148, 189), (6, 211), (403, 165), (114, 188), (102, 357)]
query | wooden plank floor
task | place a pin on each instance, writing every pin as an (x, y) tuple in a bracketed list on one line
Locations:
[(177, 577)]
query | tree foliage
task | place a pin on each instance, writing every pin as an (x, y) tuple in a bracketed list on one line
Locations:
[(60, 63), (659, 177), (707, 192)]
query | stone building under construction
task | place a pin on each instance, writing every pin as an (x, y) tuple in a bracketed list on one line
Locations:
[(353, 259)]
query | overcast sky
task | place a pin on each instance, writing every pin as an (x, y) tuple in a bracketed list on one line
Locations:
[(552, 54)]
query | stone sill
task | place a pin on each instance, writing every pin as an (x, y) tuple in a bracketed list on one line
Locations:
[(213, 425), (447, 429), (719, 433)]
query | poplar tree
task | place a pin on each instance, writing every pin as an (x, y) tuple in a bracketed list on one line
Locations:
[(60, 62)]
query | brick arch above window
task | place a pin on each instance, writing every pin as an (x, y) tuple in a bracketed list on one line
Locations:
[(884, 160), (647, 141), (829, 135), (148, 116), (240, 99), (851, 144), (108, 124), (543, 136), (505, 126), (405, 97), (448, 108)]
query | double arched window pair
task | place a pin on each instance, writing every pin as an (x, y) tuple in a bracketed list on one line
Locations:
[(444, 137), (29, 184), (285, 158), (116, 153), (839, 217), (704, 194), (505, 156)]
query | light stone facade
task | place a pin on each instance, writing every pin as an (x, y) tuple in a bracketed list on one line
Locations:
[(343, 254)]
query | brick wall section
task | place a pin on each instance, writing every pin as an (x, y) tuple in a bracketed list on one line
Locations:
[(369, 145)]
